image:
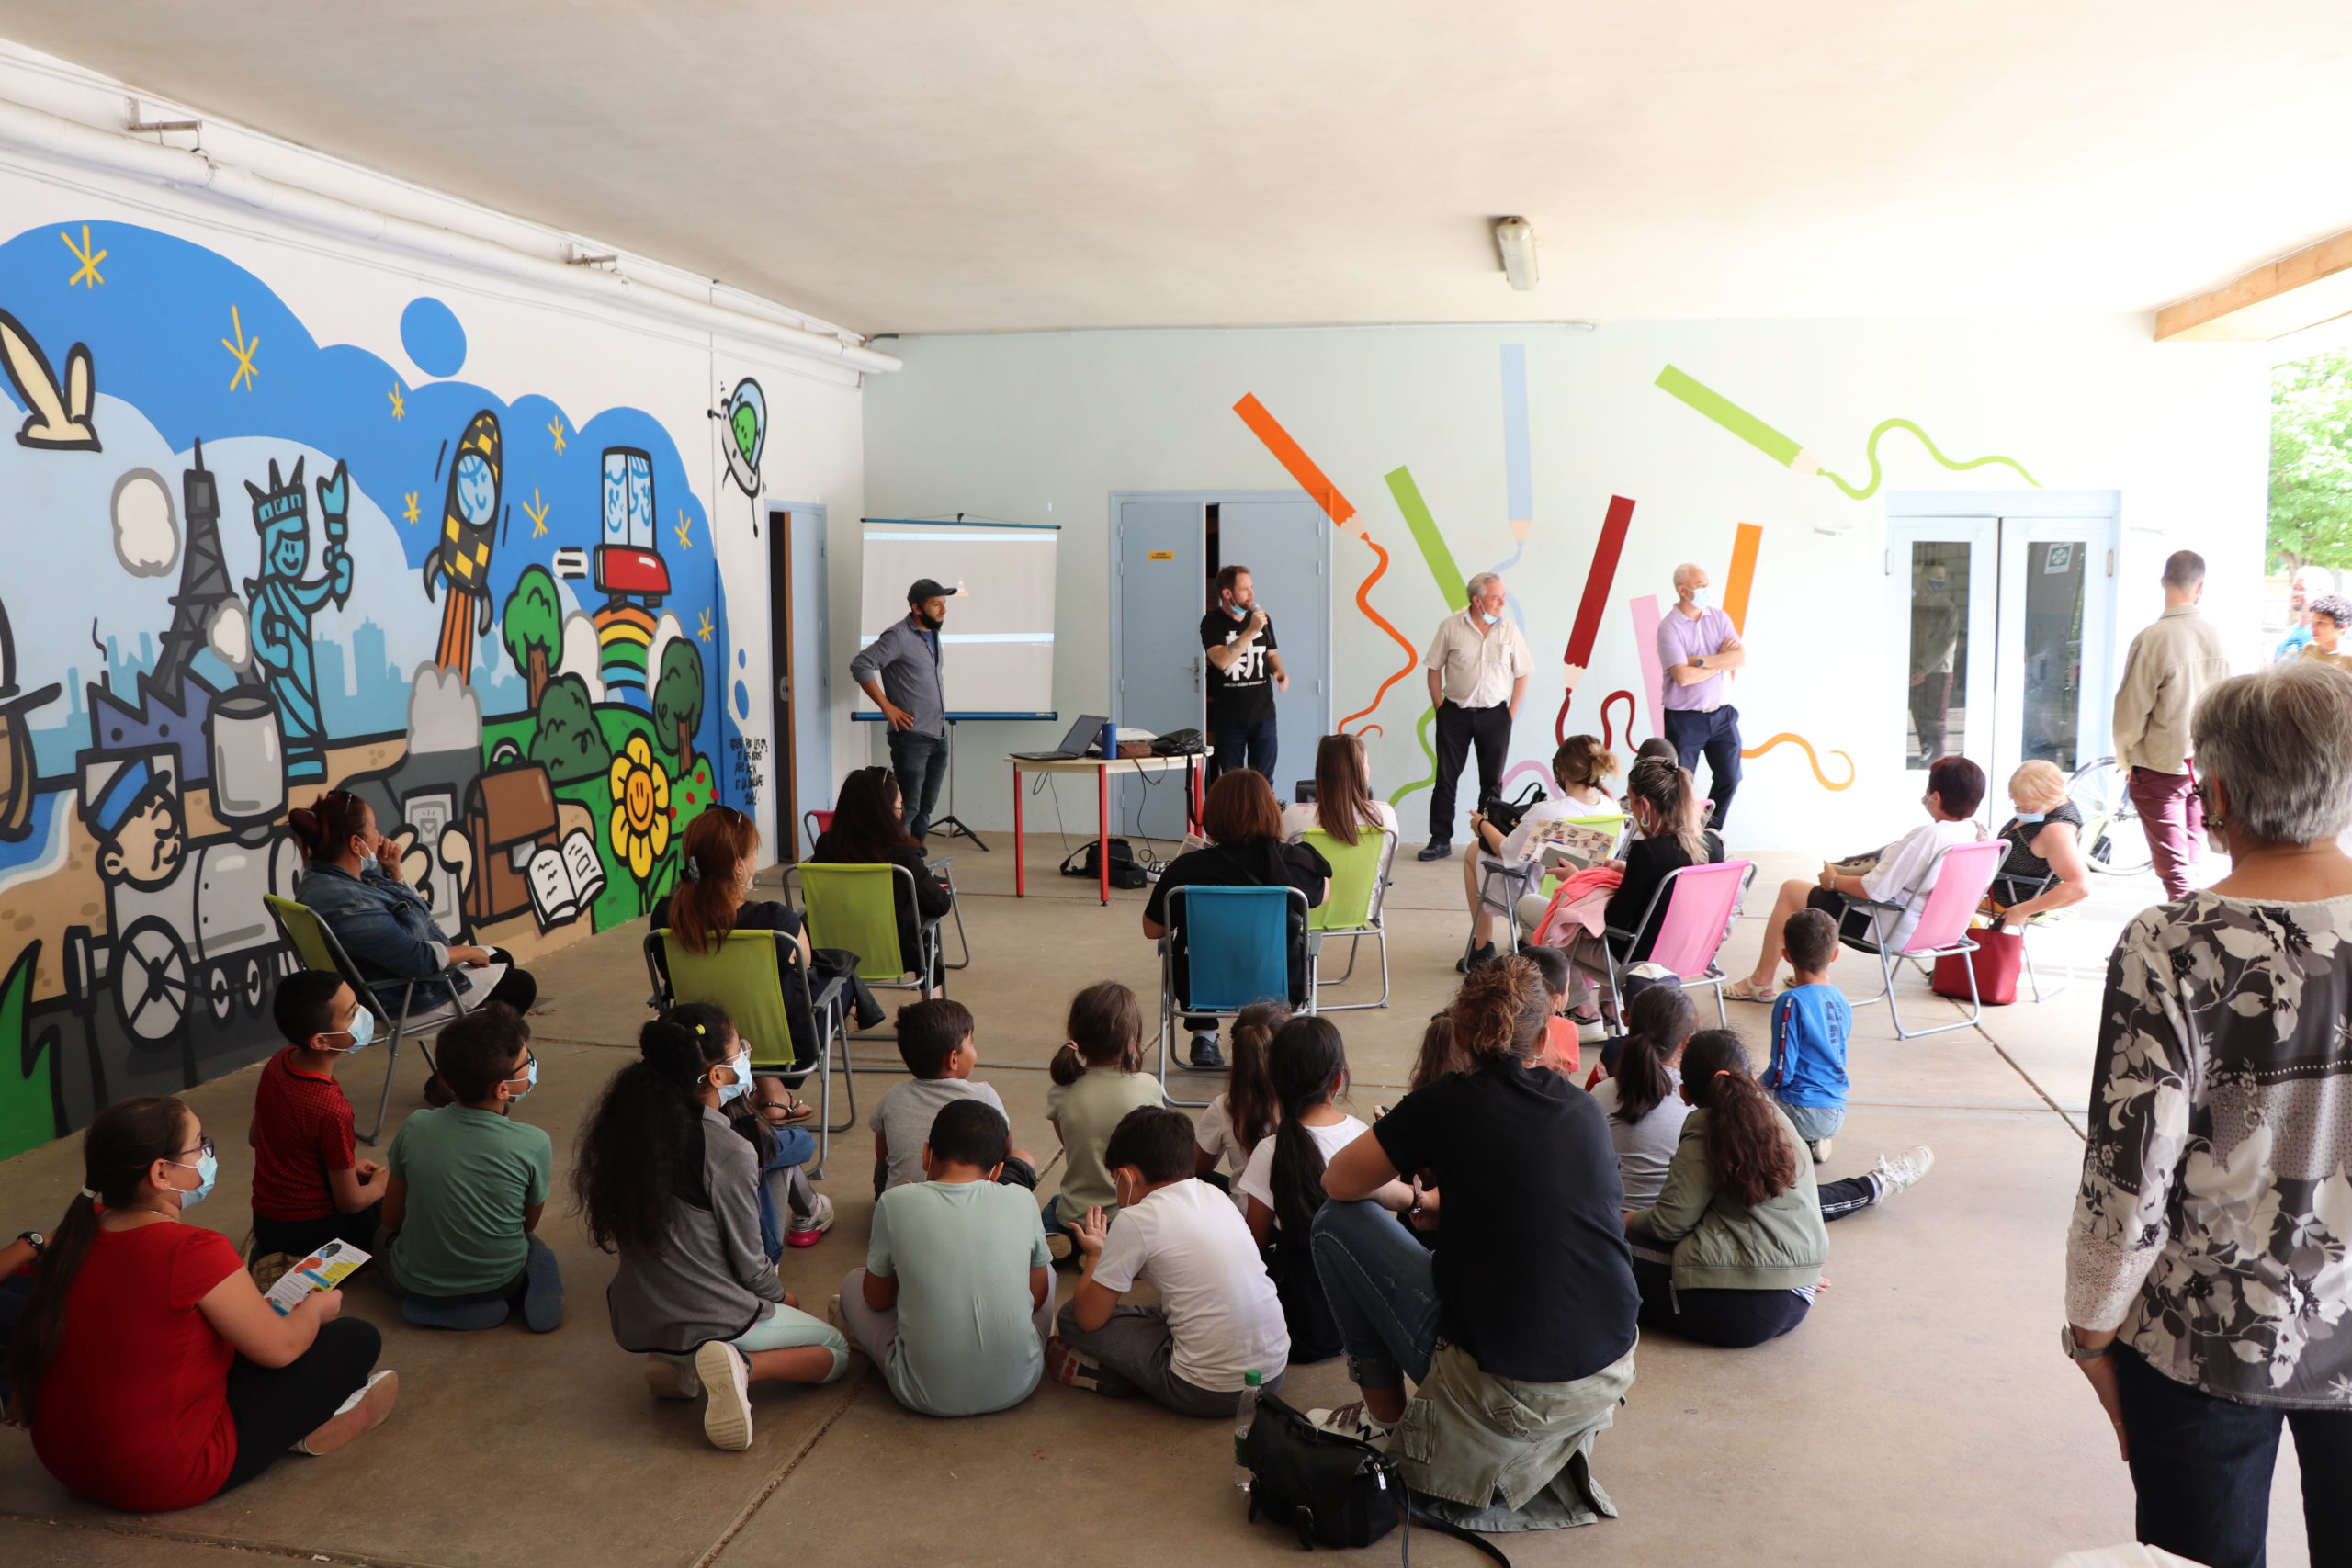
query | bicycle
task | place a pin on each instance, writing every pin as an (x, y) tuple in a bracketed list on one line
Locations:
[(2113, 842)]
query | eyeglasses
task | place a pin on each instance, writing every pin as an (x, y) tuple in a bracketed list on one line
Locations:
[(530, 1061), (204, 1146)]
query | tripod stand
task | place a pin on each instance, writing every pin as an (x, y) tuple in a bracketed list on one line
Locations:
[(950, 825)]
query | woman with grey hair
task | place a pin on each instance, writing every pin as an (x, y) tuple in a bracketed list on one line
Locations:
[(2207, 1278)]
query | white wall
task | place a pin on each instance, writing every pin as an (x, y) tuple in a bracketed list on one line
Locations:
[(1043, 428)]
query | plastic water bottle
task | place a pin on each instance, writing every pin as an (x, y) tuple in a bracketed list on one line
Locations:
[(1242, 1418)]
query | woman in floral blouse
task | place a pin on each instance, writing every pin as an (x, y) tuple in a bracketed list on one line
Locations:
[(2208, 1280)]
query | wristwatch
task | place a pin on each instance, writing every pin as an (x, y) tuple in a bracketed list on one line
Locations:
[(40, 1242), (2074, 1348)]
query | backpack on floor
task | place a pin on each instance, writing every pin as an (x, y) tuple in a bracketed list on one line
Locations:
[(1332, 1491), (1125, 872)]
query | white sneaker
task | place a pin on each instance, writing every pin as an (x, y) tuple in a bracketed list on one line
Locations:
[(727, 1395), (672, 1377), (802, 1230), (1354, 1421), (1904, 1170), (1821, 1150)]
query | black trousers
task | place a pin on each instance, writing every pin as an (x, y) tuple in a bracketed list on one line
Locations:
[(2201, 1467), (1458, 729), (299, 1238), (276, 1407), (1717, 736), (1733, 1320), (516, 988)]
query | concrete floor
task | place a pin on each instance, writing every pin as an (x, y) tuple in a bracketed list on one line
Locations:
[(1920, 1415)]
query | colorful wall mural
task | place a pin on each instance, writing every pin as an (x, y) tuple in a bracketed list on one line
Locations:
[(246, 567)]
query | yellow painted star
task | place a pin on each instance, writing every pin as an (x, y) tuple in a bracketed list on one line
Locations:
[(685, 532), (408, 514), (399, 405), (555, 428), (536, 510), (88, 272), (243, 350), (704, 630)]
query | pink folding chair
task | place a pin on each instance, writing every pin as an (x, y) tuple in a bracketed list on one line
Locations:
[(1701, 901), (1956, 882)]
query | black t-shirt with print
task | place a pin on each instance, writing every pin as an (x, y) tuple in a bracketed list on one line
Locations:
[(1242, 692), (1533, 1276)]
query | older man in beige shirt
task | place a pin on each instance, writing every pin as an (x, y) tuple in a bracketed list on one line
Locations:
[(1477, 665), (2171, 665)]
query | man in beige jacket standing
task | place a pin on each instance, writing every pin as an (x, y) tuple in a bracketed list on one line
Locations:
[(2171, 665)]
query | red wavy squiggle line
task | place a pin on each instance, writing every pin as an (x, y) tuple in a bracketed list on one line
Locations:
[(1608, 735), (1412, 654)]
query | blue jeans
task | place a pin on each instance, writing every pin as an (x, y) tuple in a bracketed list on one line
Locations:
[(2201, 1466), (1382, 1286), (1242, 746), (921, 762), (788, 1148), (1716, 735)]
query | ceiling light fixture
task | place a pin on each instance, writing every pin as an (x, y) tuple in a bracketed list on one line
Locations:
[(1515, 238)]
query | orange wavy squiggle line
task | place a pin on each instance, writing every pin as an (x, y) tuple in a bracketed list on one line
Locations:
[(1368, 732), (1412, 654), (1811, 760)]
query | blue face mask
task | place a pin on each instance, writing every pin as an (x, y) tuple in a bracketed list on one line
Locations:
[(1237, 612), (208, 1171), (741, 1065), (1936, 585), (1490, 620), (2033, 815), (530, 1080), (362, 1031), (1699, 598)]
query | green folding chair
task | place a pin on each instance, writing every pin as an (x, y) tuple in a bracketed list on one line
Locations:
[(315, 942), (855, 909), (1500, 886), (745, 977), (1353, 907)]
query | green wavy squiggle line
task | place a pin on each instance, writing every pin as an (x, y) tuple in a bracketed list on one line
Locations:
[(1869, 450), (1421, 734)]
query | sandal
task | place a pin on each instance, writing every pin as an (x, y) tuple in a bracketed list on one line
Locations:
[(1748, 991), (794, 1111)]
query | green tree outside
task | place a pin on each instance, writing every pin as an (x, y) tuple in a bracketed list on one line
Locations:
[(2311, 462)]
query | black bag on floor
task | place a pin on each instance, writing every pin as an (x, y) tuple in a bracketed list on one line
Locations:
[(1333, 1491), (1125, 872)]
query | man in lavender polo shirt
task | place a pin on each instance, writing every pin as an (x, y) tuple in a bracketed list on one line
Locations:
[(1698, 650)]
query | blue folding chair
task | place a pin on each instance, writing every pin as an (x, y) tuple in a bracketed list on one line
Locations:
[(1235, 946)]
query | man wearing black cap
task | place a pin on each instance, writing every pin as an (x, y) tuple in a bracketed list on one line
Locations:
[(900, 669)]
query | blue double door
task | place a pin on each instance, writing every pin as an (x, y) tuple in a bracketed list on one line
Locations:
[(1164, 565)]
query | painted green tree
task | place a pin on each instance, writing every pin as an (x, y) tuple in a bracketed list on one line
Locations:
[(532, 628), (569, 742), (2311, 462), (677, 700)]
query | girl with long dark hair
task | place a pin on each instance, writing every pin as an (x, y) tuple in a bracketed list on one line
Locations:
[(1344, 806), (1732, 1251), (151, 1369), (1639, 1096), (663, 1179), (867, 831), (1098, 1078), (1233, 1123), (354, 880), (1281, 1186)]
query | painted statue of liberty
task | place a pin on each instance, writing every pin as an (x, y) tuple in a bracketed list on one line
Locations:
[(283, 603)]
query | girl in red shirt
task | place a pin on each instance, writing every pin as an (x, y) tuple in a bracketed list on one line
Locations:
[(150, 1370)]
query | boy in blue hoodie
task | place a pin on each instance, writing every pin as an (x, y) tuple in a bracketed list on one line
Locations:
[(1811, 1021)]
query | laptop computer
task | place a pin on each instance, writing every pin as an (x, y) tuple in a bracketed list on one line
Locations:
[(1081, 738)]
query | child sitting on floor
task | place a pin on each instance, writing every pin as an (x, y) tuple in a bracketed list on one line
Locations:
[(936, 1043), (956, 1298), (309, 1187), (665, 1181), (1233, 1123), (792, 1212), (466, 1186), (1283, 1182), (1218, 1317), (1097, 1078), (1810, 1023)]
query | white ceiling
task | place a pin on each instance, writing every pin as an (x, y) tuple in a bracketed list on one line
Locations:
[(928, 165)]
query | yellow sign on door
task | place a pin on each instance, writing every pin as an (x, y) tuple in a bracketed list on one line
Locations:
[(1163, 555)]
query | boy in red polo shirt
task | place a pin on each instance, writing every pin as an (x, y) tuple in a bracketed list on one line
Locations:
[(308, 1186)]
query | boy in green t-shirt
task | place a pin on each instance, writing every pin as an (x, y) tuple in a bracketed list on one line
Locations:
[(466, 1186)]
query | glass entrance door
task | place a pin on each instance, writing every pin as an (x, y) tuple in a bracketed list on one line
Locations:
[(2003, 631)]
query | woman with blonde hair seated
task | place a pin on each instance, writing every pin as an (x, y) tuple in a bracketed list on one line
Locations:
[(2045, 842)]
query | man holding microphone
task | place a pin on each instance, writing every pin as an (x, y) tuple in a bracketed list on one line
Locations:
[(900, 669), (1240, 640)]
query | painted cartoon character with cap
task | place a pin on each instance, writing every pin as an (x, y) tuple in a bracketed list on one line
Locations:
[(283, 601), (900, 671), (132, 808)]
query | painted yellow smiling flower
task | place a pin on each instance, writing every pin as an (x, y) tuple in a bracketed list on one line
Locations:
[(641, 807)]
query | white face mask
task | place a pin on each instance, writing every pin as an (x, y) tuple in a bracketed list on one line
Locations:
[(1698, 597), (741, 1065)]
